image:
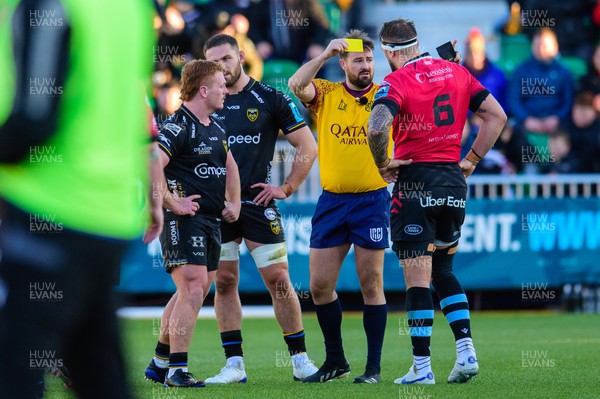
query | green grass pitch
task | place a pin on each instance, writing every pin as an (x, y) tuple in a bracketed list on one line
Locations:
[(521, 355)]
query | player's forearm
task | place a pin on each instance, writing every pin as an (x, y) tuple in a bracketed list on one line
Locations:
[(303, 161), (232, 183), (156, 175), (379, 125), (169, 200), (494, 120), (487, 136)]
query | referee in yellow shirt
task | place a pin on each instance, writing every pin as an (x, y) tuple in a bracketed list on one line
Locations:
[(354, 206)]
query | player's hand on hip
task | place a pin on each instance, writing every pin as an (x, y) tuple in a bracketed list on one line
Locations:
[(390, 172), (231, 212), (269, 193), (467, 167), (187, 205)]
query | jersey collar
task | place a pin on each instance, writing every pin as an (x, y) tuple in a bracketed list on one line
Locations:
[(356, 93), (189, 113), (249, 85), (417, 58)]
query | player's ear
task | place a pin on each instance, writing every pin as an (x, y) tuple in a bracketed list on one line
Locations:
[(203, 91), (343, 63), (242, 56)]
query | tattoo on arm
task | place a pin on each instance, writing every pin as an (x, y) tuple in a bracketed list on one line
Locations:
[(481, 111), (379, 127)]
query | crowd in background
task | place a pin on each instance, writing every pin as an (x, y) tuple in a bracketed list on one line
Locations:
[(552, 95)]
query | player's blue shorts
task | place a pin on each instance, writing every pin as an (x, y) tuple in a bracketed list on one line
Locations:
[(362, 219)]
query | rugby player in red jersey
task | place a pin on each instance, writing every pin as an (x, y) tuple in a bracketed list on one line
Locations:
[(425, 101)]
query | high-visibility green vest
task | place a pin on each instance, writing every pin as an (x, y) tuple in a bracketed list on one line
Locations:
[(89, 175)]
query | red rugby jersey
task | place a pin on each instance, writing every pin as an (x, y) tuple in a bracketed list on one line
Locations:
[(430, 99)]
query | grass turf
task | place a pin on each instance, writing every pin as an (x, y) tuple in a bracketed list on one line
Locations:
[(521, 355)]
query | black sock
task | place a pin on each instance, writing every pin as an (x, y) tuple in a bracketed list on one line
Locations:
[(419, 306), (295, 342), (232, 343), (178, 360), (453, 302), (162, 351), (330, 320), (374, 321)]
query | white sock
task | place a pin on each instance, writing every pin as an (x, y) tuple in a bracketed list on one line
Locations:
[(300, 356), (422, 363), (464, 348), (161, 363), (236, 361), (174, 369)]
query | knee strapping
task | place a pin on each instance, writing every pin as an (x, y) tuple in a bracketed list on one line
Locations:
[(230, 251), (269, 254)]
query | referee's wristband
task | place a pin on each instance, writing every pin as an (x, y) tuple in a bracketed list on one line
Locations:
[(384, 163), (287, 189)]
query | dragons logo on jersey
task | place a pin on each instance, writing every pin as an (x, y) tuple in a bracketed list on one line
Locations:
[(252, 114)]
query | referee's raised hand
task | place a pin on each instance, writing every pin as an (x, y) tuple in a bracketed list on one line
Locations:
[(335, 47)]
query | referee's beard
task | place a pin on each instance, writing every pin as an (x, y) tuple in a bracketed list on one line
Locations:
[(362, 82)]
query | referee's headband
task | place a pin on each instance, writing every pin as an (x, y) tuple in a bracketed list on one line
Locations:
[(390, 46)]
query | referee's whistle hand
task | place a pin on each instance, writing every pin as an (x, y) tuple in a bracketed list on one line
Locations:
[(269, 193)]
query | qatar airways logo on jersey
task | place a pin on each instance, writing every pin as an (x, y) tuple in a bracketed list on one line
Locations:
[(204, 171), (435, 75), (352, 135)]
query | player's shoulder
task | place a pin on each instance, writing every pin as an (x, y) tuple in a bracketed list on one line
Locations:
[(218, 124), (270, 95), (174, 124), (265, 91)]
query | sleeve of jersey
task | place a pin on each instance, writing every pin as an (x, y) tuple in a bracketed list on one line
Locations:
[(387, 95), (167, 139), (290, 118), (322, 87), (478, 94)]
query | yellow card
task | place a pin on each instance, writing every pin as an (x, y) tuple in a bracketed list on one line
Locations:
[(354, 45)]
